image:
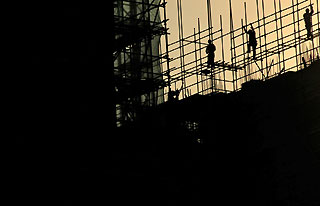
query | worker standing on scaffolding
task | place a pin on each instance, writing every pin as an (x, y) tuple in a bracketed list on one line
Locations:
[(211, 48), (252, 41), (308, 22)]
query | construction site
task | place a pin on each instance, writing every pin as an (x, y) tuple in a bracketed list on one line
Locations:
[(118, 110), (242, 129)]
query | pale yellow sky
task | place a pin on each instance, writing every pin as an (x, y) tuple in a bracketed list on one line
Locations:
[(194, 9)]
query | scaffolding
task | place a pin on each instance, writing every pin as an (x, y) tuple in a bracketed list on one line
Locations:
[(146, 77), (137, 70), (281, 48)]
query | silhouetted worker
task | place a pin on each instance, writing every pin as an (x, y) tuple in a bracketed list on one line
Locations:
[(211, 48), (252, 40), (308, 22)]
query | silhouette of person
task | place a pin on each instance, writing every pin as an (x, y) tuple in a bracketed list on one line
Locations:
[(308, 22), (211, 48), (252, 40)]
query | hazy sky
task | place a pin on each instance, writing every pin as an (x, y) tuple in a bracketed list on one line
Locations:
[(194, 9)]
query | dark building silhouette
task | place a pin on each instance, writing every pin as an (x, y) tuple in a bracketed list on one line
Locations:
[(260, 147)]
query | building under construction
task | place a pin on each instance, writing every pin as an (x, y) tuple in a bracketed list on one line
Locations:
[(151, 122), (244, 130)]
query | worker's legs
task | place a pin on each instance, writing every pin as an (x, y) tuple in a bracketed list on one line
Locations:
[(309, 32), (309, 36), (254, 51), (249, 48), (210, 61)]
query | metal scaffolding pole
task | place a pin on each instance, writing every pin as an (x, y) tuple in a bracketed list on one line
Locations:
[(232, 45), (246, 21), (258, 16), (295, 35), (277, 30), (222, 50), (265, 35)]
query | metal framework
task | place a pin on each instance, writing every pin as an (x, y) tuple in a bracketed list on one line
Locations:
[(146, 77), (281, 48), (136, 56)]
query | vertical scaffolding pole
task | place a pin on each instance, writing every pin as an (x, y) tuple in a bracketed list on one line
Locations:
[(299, 35), (246, 23), (277, 30), (234, 52), (211, 38), (209, 19), (195, 56), (181, 47), (222, 50), (265, 37), (231, 44), (318, 28), (244, 51), (258, 16), (183, 62), (167, 44), (152, 95), (312, 38), (201, 65), (281, 29), (295, 35)]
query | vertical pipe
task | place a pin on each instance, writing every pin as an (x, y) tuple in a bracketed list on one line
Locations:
[(180, 47), (153, 99), (201, 65), (223, 63), (209, 19), (211, 34), (182, 36), (277, 30), (260, 45), (281, 30), (211, 38), (294, 33), (234, 52), (318, 51), (265, 37), (246, 22), (195, 56), (167, 44), (231, 45), (312, 39), (299, 35), (183, 62), (244, 53), (312, 53), (318, 27)]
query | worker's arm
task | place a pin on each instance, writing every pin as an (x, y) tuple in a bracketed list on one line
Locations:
[(311, 8)]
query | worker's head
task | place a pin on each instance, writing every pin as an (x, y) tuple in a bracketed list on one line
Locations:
[(307, 11), (209, 41)]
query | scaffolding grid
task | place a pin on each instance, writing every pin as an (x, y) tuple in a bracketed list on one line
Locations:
[(146, 77), (281, 48), (137, 70)]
